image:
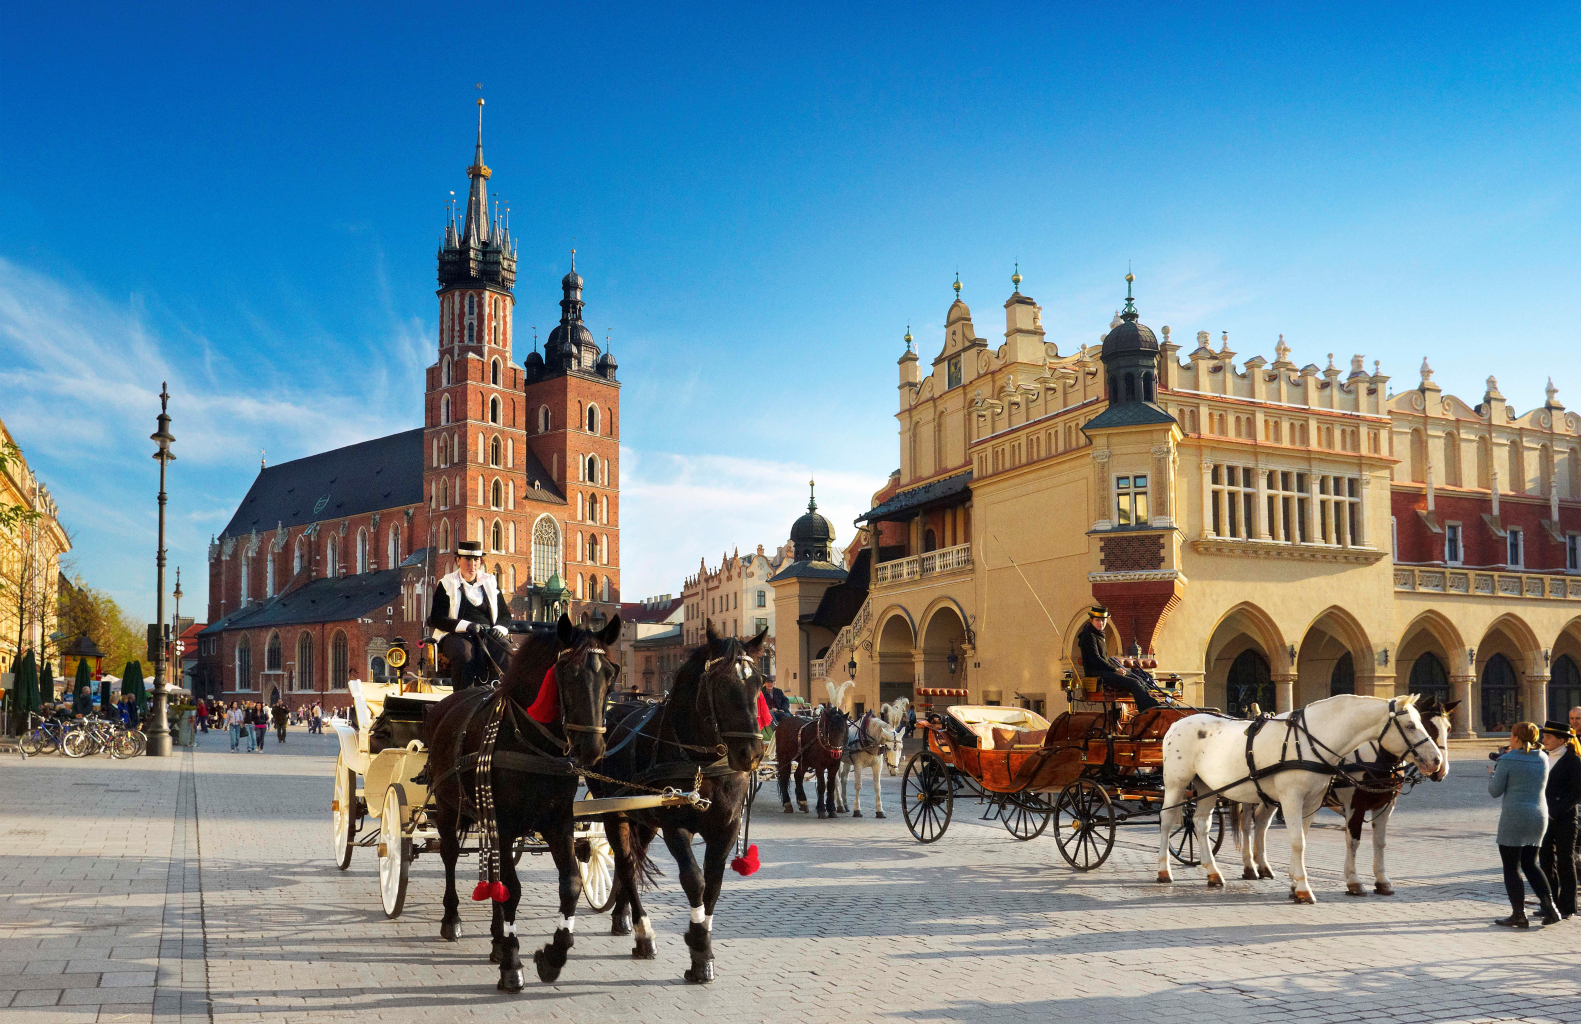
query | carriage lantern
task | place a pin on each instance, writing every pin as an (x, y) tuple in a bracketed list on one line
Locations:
[(953, 661)]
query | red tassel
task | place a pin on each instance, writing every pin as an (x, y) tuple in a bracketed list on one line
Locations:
[(749, 864), (481, 893), (499, 892)]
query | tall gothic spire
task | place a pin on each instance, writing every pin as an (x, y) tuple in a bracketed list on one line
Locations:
[(475, 231)]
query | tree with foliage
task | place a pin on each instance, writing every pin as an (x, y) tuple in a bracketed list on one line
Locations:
[(28, 572), (86, 610)]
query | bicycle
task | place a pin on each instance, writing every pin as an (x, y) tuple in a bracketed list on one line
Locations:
[(44, 735), (96, 735)]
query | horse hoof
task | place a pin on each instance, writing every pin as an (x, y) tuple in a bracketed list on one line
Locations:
[(802, 807), (547, 971), (1250, 873), (856, 814), (513, 980), (643, 950), (1265, 873), (700, 975), (789, 809), (1215, 881), (449, 930), (620, 926), (497, 952), (1303, 897), (1164, 877), (1383, 889), (1354, 889), (820, 814), (878, 814)]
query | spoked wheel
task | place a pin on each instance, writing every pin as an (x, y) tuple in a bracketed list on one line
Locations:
[(343, 815), (395, 851), (927, 797), (37, 742), (77, 743), (596, 862), (1183, 841), (1084, 824), (1027, 814), (139, 742), (122, 745)]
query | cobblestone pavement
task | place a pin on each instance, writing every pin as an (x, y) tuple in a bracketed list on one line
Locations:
[(199, 887)]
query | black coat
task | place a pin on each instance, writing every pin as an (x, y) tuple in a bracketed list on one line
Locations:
[(445, 619), (1564, 785), (1094, 651)]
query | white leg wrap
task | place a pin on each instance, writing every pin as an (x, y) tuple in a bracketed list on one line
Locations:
[(644, 929), (708, 922), (510, 927), (698, 915), (568, 923)]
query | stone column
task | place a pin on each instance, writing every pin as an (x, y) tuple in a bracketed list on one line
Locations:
[(1102, 497), (1534, 697), (918, 668), (1163, 489), (1461, 718), (1284, 692), (1263, 530), (1207, 497)]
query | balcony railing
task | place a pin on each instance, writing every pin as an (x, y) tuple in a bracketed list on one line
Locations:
[(1478, 583), (928, 564)]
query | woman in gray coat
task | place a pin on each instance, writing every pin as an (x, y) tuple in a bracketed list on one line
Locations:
[(1519, 776)]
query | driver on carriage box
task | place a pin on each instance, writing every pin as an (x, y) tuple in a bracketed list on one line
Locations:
[(470, 619), (1096, 663)]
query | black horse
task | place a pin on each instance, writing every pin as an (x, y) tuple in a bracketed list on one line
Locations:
[(816, 744), (533, 783), (707, 724)]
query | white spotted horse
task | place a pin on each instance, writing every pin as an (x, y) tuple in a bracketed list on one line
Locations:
[(530, 735), (706, 732), (1286, 760)]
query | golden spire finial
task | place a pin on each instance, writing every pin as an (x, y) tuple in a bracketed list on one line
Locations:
[(957, 284), (1015, 279)]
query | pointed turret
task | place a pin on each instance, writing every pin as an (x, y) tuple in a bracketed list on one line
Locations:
[(475, 230), (476, 251)]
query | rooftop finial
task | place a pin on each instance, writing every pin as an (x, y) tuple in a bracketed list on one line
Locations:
[(908, 337), (957, 285), (1427, 371), (812, 498), (263, 460), (573, 255), (1129, 312), (1015, 279)]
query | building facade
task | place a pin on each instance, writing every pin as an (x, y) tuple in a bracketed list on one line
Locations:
[(1273, 532), (331, 559), (30, 554)]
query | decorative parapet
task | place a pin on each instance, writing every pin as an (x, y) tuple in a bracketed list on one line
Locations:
[(1283, 549), (1475, 583), (932, 563)]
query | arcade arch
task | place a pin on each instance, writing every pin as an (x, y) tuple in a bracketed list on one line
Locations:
[(1509, 668), (1243, 628), (896, 667), (943, 633), (1322, 668)]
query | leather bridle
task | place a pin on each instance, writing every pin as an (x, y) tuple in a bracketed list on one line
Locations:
[(1394, 722), (740, 657), (565, 655)]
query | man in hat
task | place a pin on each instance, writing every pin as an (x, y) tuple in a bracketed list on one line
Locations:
[(470, 619), (1563, 793), (1096, 663)]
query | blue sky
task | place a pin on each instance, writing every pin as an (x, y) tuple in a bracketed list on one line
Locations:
[(246, 200)]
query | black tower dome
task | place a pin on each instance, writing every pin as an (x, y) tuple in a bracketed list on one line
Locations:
[(1130, 356), (811, 536)]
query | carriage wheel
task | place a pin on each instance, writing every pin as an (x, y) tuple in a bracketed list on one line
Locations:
[(1084, 824), (1183, 841), (343, 815), (927, 796), (1026, 814), (395, 851), (596, 862)]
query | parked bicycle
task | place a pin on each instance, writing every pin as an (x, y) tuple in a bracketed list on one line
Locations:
[(97, 736), (43, 736)]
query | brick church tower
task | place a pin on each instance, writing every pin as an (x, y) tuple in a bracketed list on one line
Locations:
[(473, 414), (573, 409)]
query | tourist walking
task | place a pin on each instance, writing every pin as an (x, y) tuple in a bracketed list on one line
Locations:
[(281, 717), (203, 715), (1563, 794), (235, 720), (1518, 776), (260, 724)]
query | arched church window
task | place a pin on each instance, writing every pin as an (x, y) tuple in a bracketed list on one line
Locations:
[(296, 557), (543, 419), (472, 304), (494, 452), (444, 535), (592, 419), (498, 498), (332, 556), (494, 410), (392, 553), (494, 373), (362, 551), (470, 332), (545, 549), (445, 372), (444, 410), (497, 537), (592, 469)]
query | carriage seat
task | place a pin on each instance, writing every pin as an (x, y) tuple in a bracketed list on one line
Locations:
[(984, 721), (1018, 739), (1091, 689)]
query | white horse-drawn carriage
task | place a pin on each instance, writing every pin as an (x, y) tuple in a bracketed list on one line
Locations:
[(386, 752)]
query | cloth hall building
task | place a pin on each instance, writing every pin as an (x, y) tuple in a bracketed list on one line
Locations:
[(1273, 532), (330, 559)]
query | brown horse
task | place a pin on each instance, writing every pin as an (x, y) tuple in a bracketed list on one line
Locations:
[(708, 727), (815, 743), (533, 781)]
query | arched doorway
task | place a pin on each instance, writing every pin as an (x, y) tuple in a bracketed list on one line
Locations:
[(1430, 678), (1249, 682), (1564, 688), (274, 694), (1246, 628), (1500, 695), (1343, 678), (942, 637), (896, 669)]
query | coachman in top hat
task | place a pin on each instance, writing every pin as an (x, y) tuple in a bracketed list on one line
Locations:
[(470, 618)]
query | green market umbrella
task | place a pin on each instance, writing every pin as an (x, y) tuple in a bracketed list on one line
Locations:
[(27, 685), (132, 683), (83, 683), (104, 696), (44, 688)]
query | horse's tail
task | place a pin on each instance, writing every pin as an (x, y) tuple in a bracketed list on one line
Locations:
[(646, 871), (1235, 822)]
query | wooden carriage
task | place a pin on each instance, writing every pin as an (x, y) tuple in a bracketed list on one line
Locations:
[(1094, 767)]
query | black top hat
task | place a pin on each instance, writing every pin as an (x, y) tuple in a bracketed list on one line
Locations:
[(1098, 611), (469, 549), (1560, 729)]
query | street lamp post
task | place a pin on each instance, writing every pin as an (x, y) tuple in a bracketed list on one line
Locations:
[(159, 735), (175, 633)]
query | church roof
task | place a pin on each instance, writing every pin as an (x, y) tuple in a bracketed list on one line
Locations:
[(326, 599), (386, 472)]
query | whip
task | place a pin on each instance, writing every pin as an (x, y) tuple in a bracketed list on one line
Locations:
[(1023, 576)]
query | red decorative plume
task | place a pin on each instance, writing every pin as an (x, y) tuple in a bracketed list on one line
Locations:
[(547, 704), (480, 893), (749, 864)]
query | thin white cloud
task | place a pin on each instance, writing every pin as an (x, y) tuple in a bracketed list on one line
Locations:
[(679, 509)]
